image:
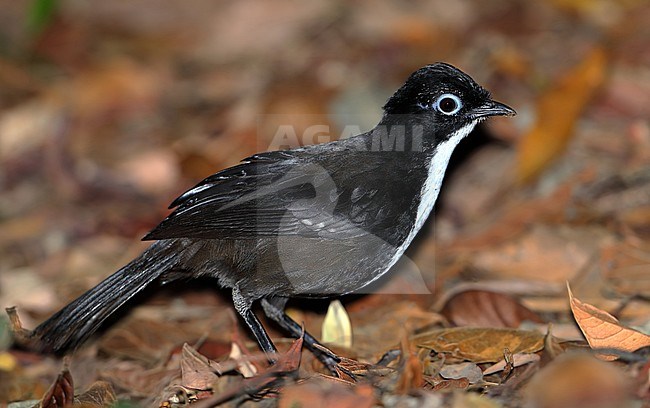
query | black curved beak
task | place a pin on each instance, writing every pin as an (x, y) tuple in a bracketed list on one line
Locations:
[(492, 108)]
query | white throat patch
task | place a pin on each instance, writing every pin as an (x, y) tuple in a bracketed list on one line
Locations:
[(431, 187), (430, 190), (437, 168)]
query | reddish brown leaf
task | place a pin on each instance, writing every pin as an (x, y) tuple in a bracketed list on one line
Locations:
[(290, 361), (487, 309), (264, 381), (460, 383), (197, 372), (61, 393), (602, 330)]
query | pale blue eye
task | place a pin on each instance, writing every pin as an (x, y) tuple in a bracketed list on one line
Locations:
[(448, 104)]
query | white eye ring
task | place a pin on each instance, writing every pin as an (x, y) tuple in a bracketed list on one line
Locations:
[(448, 104)]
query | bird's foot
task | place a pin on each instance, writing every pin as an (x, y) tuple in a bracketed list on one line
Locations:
[(332, 362)]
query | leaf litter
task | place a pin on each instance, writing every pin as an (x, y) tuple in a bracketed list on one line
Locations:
[(111, 110)]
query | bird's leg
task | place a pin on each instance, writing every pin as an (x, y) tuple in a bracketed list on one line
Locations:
[(274, 310), (243, 307)]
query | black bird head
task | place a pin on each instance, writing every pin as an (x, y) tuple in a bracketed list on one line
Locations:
[(444, 98)]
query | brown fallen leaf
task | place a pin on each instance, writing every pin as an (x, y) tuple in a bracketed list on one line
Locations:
[(460, 383), (487, 309), (321, 392), (100, 394), (480, 345), (140, 381), (379, 325), (578, 380), (411, 369), (552, 346), (557, 112), (602, 330), (61, 393), (286, 365), (197, 372)]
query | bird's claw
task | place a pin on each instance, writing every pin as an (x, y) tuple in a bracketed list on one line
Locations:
[(332, 362)]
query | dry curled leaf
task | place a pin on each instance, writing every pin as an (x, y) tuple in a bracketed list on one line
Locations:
[(602, 330), (488, 309), (286, 365), (480, 345), (61, 393), (197, 371), (460, 383)]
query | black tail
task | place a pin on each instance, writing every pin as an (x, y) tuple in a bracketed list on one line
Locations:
[(75, 323)]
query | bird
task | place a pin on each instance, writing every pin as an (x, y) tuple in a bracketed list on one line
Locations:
[(315, 221)]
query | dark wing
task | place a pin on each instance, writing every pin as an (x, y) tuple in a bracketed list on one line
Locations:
[(275, 193)]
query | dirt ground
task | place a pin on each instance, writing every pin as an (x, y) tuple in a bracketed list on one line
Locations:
[(110, 110)]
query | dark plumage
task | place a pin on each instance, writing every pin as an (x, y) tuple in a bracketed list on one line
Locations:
[(320, 220)]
